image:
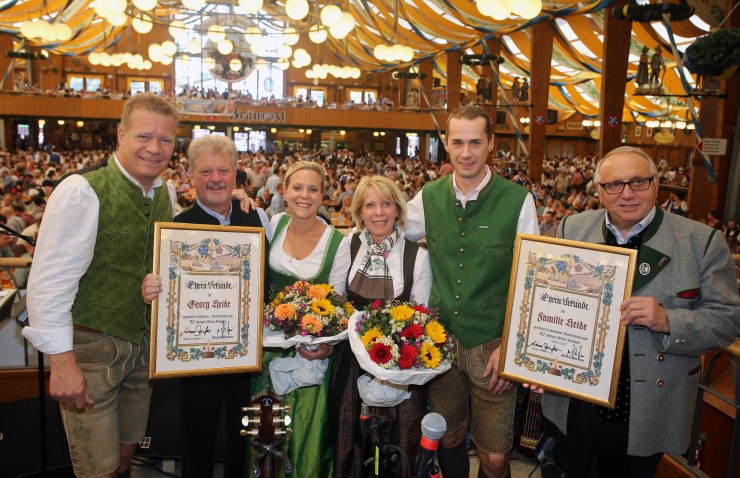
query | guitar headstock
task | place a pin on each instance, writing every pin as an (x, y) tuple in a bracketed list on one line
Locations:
[(266, 421)]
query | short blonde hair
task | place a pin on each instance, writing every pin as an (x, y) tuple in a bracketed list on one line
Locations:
[(386, 189), (147, 102), (310, 165), (214, 145)]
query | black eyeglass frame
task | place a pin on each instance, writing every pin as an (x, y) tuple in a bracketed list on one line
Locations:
[(625, 183)]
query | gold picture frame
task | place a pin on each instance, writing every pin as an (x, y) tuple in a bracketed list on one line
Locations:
[(562, 330), (208, 318)]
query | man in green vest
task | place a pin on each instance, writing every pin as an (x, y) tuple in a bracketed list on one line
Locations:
[(84, 292), (470, 220)]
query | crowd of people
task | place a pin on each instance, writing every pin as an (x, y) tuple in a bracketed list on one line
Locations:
[(90, 304)]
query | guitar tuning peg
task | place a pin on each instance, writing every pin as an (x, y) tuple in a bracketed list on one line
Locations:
[(281, 408), (253, 408), (285, 420), (245, 420), (253, 432)]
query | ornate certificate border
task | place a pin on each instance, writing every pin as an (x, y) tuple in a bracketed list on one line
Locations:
[(208, 318), (562, 329)]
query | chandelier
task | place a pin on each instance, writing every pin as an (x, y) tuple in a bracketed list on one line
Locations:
[(503, 9)]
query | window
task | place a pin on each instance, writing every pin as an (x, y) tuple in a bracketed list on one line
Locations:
[(318, 95), (136, 86), (85, 82), (363, 96), (155, 86)]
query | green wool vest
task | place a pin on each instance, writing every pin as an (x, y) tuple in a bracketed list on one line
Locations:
[(471, 250), (109, 297), (279, 280)]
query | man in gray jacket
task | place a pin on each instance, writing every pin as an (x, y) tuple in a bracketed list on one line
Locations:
[(684, 303)]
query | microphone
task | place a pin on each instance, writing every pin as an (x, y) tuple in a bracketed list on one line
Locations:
[(433, 427), (365, 422)]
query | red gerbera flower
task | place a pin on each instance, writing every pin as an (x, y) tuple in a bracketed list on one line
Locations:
[(381, 353), (412, 331), (375, 305), (420, 308), (408, 356)]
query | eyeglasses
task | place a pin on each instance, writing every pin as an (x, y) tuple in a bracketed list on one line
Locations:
[(637, 184)]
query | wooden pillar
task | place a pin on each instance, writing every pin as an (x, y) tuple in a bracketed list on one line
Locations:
[(6, 44), (454, 79), (427, 84), (719, 119), (542, 44), (613, 78)]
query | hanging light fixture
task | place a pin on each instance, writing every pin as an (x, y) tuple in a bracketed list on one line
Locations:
[(331, 15), (296, 9), (193, 4), (225, 46), (177, 29), (142, 23), (145, 5), (216, 33), (250, 6), (317, 34), (253, 34), (290, 36), (235, 64), (194, 47)]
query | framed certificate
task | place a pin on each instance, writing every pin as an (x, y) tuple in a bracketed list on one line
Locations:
[(208, 318), (562, 329)]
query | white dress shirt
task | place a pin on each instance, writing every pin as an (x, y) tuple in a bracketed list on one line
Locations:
[(64, 251), (310, 265)]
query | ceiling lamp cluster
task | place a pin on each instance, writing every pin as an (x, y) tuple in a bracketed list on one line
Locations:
[(301, 58), (46, 31), (344, 72), (164, 53), (503, 9), (393, 53), (669, 123), (135, 62), (251, 7)]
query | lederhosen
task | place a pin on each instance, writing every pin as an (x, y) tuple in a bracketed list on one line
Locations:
[(344, 400)]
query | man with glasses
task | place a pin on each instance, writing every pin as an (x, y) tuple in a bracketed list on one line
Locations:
[(684, 303)]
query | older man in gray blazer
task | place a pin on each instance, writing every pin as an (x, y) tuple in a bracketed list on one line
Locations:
[(684, 303)]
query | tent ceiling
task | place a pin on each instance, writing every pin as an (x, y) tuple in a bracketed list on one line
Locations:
[(430, 27)]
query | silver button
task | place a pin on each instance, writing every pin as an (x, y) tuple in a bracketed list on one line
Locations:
[(462, 265), (462, 234), (455, 312), (459, 281), (462, 249), (660, 383), (457, 297)]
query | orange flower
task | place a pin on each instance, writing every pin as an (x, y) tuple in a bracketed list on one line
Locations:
[(319, 291), (311, 324), (285, 311)]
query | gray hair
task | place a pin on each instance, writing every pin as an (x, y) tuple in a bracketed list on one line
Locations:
[(625, 150), (214, 145)]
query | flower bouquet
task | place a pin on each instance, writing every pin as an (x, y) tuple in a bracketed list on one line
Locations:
[(400, 342), (306, 314)]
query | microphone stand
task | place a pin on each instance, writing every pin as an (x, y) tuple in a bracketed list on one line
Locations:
[(11, 232)]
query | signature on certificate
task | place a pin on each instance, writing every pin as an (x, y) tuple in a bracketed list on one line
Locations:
[(544, 347)]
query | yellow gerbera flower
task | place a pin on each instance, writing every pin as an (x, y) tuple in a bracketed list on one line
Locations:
[(311, 324), (285, 311), (322, 307), (319, 291), (430, 355), (402, 313), (369, 337), (436, 332)]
